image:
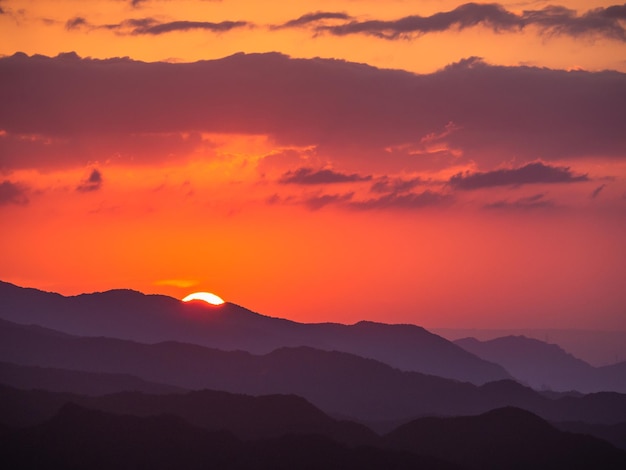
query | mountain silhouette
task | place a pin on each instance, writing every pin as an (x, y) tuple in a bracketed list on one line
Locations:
[(86, 383), (131, 315), (338, 383), (547, 366), (596, 347), (508, 438), (613, 433), (247, 417), (334, 381), (81, 438)]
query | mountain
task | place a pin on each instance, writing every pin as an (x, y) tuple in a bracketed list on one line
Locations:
[(81, 438), (336, 382), (546, 366), (126, 314), (613, 433), (245, 416), (613, 377), (596, 347), (508, 438), (86, 383)]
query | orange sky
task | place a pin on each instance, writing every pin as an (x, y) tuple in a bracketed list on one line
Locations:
[(462, 192)]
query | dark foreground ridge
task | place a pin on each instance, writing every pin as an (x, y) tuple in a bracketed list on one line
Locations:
[(245, 416), (508, 438), (80, 438)]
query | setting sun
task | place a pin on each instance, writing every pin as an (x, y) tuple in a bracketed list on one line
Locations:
[(206, 297)]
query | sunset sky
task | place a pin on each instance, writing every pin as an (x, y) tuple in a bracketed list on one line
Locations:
[(430, 162)]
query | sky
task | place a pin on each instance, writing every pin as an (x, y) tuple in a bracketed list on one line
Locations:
[(429, 162)]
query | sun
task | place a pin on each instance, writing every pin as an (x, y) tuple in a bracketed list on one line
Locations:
[(206, 297)]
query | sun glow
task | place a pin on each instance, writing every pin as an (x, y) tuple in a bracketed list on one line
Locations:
[(206, 297)]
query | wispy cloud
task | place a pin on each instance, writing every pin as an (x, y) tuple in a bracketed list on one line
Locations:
[(555, 20), (317, 202), (162, 28), (409, 200), (395, 185), (536, 201), (312, 18), (183, 283), (151, 26), (596, 192)]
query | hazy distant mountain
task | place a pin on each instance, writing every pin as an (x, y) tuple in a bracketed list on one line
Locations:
[(86, 383), (338, 383), (613, 377), (81, 438), (131, 315), (596, 347), (546, 366), (506, 438)]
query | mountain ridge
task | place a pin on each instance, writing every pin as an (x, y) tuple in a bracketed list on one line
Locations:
[(131, 315), (339, 383), (547, 366)]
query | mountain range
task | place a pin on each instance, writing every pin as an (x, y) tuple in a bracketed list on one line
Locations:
[(547, 366), (134, 316), (85, 436), (120, 379), (338, 383), (596, 347)]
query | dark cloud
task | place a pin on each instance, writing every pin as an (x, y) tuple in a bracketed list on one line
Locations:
[(615, 11), (470, 14), (76, 23), (561, 20), (155, 28), (92, 183), (529, 174), (351, 114), (551, 20), (397, 185), (13, 193), (536, 201), (310, 176), (152, 26), (317, 202), (309, 18), (597, 191)]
